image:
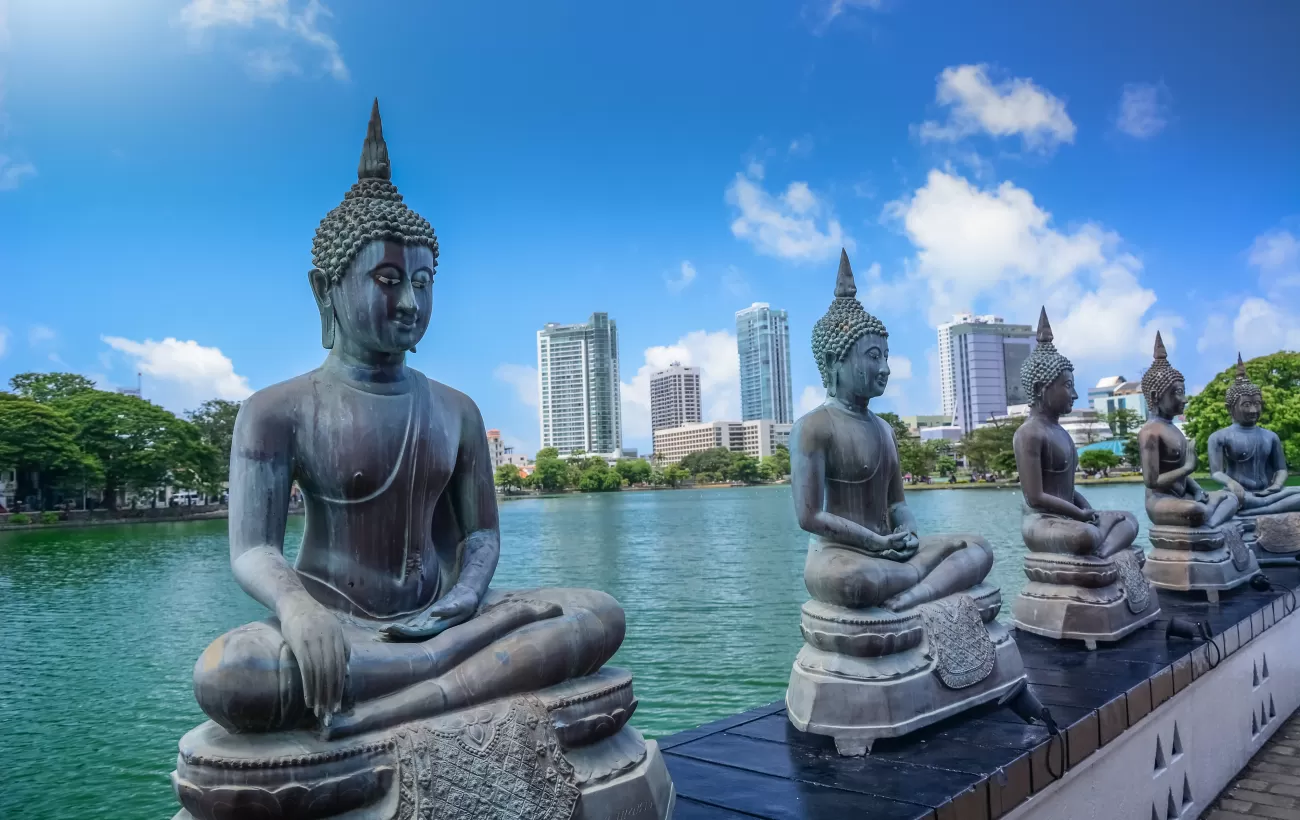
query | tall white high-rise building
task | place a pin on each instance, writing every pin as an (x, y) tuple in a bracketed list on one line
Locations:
[(674, 396), (979, 363), (577, 367), (763, 341)]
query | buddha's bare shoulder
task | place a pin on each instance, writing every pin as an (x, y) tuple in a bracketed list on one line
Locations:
[(279, 403), (813, 428), (451, 399)]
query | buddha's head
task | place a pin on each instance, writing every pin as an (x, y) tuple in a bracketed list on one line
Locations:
[(1047, 376), (850, 345), (1244, 399), (375, 259), (1163, 386)]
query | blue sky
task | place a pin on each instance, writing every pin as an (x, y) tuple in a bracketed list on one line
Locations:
[(163, 166)]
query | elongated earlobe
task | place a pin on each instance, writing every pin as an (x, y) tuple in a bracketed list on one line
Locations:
[(320, 289)]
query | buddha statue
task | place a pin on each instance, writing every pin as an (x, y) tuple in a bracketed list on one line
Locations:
[(1250, 463), (391, 679), (1195, 544), (901, 628), (1085, 575)]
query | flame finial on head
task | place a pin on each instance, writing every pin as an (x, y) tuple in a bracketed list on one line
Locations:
[(845, 322), (371, 210), (374, 151), (1160, 376), (1043, 365)]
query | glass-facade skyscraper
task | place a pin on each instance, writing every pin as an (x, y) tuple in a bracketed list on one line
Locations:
[(763, 342), (577, 368)]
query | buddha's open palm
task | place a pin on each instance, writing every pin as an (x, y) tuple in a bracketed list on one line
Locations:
[(456, 607), (315, 638)]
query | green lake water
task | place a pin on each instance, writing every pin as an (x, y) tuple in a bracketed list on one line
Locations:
[(100, 627)]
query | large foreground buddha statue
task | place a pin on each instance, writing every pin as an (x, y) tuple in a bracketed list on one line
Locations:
[(901, 629), (391, 681), (1196, 546), (1250, 463), (1085, 575)]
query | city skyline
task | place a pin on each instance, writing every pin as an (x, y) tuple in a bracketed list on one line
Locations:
[(179, 156)]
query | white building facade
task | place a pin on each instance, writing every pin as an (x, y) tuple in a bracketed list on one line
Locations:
[(579, 386), (979, 366), (675, 397), (501, 454), (763, 343), (757, 438)]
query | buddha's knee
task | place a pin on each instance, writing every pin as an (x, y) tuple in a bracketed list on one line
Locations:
[(1074, 538), (980, 550), (248, 681)]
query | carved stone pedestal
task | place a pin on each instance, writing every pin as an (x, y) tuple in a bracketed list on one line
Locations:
[(865, 674), (1209, 559), (1081, 597), (564, 752), (1275, 539)]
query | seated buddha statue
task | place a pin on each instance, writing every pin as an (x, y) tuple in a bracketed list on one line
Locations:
[(389, 664), (1085, 579), (1250, 463), (889, 606), (1196, 546)]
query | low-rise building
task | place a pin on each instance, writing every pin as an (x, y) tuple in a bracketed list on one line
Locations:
[(1117, 393), (918, 423), (947, 432), (757, 438), (501, 454)]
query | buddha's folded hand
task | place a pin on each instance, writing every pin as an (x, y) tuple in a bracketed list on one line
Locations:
[(315, 637), (456, 607)]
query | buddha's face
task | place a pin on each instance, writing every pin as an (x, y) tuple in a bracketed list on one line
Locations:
[(863, 373), (1247, 409), (1173, 401), (383, 302), (1059, 396)]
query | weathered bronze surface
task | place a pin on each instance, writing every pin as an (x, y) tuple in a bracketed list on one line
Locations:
[(900, 631), (390, 672)]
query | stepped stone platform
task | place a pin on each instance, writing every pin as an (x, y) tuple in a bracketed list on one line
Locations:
[(1152, 728)]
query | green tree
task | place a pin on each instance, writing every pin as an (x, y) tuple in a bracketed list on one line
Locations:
[(634, 470), (48, 387), (674, 475), (550, 473), (597, 477), (1132, 454), (714, 462), (778, 463), (916, 457), (38, 439), (1123, 421), (215, 421), (744, 468), (508, 476), (989, 447), (138, 445), (1096, 461), (946, 465), (1278, 377)]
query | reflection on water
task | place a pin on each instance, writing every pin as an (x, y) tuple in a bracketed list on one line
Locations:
[(100, 628)]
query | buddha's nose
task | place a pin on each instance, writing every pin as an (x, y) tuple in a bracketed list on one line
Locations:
[(406, 305)]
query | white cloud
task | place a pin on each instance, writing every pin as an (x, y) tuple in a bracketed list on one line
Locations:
[(755, 169), (4, 340), (12, 172), (523, 379), (270, 64), (187, 373), (683, 280), (822, 13), (900, 368), (796, 225), (1009, 108), (1263, 327), (1143, 110), (303, 24), (38, 335), (716, 356), (1277, 255), (997, 249), (810, 399), (735, 283), (801, 147)]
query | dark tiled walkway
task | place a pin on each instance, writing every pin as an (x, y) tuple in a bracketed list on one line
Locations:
[(1269, 786)]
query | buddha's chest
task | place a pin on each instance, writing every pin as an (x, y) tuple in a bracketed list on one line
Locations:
[(862, 450), (1059, 454), (1173, 447), (1244, 447), (363, 448)]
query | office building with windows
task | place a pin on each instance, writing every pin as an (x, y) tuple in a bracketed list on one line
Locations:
[(579, 386), (979, 366), (763, 342), (674, 397), (757, 438)]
